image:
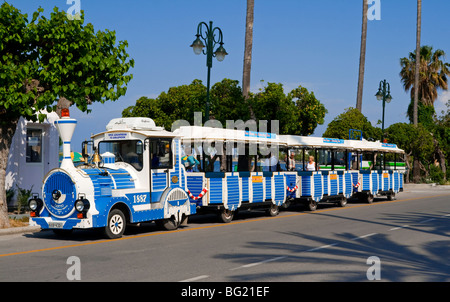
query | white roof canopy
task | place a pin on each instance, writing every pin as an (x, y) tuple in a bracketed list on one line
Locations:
[(198, 133)]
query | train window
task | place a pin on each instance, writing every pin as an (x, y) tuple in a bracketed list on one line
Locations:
[(378, 159), (129, 151), (291, 160), (161, 153), (390, 161), (339, 161), (244, 163), (367, 161), (34, 146), (324, 159), (306, 154)]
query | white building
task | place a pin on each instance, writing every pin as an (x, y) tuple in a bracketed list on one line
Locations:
[(34, 152)]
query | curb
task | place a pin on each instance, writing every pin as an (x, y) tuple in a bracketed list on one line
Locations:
[(20, 230)]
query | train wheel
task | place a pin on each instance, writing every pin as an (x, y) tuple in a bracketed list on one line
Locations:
[(286, 204), (391, 196), (312, 205), (169, 224), (226, 215), (273, 210), (115, 225), (342, 202)]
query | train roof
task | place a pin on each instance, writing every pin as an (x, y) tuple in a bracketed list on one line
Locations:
[(132, 127), (315, 142), (336, 143), (199, 133)]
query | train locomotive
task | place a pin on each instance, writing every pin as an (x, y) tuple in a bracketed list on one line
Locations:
[(135, 175)]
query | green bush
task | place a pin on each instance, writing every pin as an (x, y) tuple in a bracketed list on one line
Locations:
[(22, 198), (9, 195), (436, 174)]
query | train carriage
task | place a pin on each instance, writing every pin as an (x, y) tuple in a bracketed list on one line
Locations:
[(230, 175), (330, 179), (380, 167)]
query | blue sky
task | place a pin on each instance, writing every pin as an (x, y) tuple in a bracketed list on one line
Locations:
[(315, 44)]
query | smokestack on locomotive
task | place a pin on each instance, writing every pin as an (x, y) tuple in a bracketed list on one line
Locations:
[(66, 127)]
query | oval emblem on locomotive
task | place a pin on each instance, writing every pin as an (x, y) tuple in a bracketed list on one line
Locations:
[(59, 195)]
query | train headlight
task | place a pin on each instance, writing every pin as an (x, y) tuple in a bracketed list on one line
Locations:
[(82, 205), (33, 204)]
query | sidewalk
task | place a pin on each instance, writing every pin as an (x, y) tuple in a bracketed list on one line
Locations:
[(407, 187)]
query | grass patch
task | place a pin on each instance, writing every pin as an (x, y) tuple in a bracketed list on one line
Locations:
[(19, 222)]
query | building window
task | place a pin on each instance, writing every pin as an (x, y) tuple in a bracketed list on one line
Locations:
[(34, 145)]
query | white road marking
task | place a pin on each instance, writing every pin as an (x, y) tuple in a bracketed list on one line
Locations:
[(258, 263), (400, 227), (195, 278), (364, 236), (321, 247)]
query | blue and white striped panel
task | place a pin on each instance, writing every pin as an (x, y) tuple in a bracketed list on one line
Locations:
[(93, 175), (348, 183), (245, 189), (376, 182), (233, 190), (291, 182), (334, 185), (195, 186), (159, 181), (122, 179), (178, 172), (385, 181), (318, 186), (268, 183), (396, 181), (366, 182), (306, 186), (380, 181), (401, 180), (280, 188), (341, 183), (215, 190), (325, 180), (355, 176), (258, 191)]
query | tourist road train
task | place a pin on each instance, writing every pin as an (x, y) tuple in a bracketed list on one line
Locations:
[(138, 172)]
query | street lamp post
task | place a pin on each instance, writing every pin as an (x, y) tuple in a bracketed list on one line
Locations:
[(211, 41), (384, 94)]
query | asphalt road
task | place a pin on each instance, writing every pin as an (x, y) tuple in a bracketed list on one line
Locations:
[(402, 240)]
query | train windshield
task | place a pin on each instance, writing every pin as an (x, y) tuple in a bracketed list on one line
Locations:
[(129, 151)]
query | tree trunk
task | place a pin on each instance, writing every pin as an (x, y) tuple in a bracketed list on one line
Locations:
[(416, 170), (6, 136), (441, 157), (417, 68), (248, 55), (408, 167), (362, 57)]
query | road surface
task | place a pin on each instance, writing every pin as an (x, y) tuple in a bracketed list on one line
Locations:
[(402, 240)]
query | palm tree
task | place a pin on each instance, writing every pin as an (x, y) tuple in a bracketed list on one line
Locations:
[(433, 75), (248, 55), (362, 57), (417, 68)]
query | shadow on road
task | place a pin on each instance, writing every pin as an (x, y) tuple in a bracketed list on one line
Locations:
[(428, 262)]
